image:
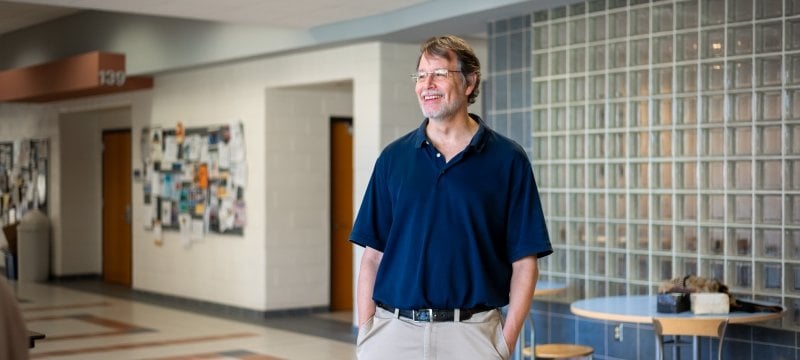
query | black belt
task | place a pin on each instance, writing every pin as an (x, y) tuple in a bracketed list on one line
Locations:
[(434, 315)]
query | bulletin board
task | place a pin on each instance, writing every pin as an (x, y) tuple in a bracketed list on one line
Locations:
[(194, 180), (23, 178)]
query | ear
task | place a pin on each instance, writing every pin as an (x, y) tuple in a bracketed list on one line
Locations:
[(471, 80)]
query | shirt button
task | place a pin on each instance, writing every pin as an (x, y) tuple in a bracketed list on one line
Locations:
[(438, 155)]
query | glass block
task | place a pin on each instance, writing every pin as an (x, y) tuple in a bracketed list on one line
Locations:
[(558, 62), (742, 107), (792, 7), (688, 175), (558, 33), (662, 80), (687, 142), (559, 147), (617, 118), (640, 20), (616, 146), (577, 88), (559, 204), (639, 115), (558, 13), (714, 76), (617, 265), (539, 120), (664, 145), (540, 37), (639, 84), (714, 269), (792, 250), (686, 14), (540, 16), (577, 150), (662, 18), (769, 8), (741, 73), (640, 52), (769, 71), (620, 239), (597, 232), (769, 37), (769, 105), (713, 175), (639, 267), (640, 204), (794, 104), (793, 174), (686, 78), (793, 142), (663, 111), (686, 237), (618, 55), (597, 60), (597, 263), (714, 208), (713, 12), (597, 28), (577, 117), (740, 10), (714, 141), (597, 176), (577, 232), (617, 209), (793, 287), (616, 4), (578, 261), (618, 25), (742, 208), (769, 209), (540, 150), (793, 67), (687, 110), (663, 211), (558, 90), (640, 175), (597, 87), (617, 85), (577, 60), (662, 49), (559, 113), (687, 46), (578, 179), (793, 210), (662, 268), (769, 277), (579, 209), (793, 34), (714, 41), (596, 288), (597, 117), (741, 274), (578, 30), (540, 92), (741, 241), (539, 65), (742, 141), (686, 266), (770, 243), (714, 106), (769, 140), (742, 175)]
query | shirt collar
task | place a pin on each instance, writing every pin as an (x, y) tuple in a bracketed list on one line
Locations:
[(477, 142)]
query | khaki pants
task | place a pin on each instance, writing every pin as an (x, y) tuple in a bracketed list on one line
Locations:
[(386, 337)]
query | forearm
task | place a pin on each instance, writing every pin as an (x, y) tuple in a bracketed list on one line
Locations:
[(523, 283), (366, 283)]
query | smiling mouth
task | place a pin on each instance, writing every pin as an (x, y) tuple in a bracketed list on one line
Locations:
[(431, 97)]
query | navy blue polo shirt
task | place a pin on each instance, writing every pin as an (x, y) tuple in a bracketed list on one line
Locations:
[(449, 231)]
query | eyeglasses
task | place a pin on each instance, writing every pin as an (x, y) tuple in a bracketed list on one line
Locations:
[(438, 74)]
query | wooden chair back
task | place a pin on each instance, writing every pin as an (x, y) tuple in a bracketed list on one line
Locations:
[(681, 326)]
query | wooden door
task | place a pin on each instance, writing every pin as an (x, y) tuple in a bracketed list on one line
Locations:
[(117, 207), (341, 214)]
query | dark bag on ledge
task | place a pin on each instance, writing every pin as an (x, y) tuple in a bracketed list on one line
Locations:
[(673, 303)]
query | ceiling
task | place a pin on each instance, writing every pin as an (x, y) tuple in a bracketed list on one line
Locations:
[(295, 14)]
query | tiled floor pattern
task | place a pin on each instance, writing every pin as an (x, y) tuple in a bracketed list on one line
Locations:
[(89, 325)]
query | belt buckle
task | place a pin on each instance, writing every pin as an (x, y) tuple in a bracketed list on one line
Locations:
[(425, 315)]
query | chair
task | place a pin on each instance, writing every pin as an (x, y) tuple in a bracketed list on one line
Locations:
[(676, 327)]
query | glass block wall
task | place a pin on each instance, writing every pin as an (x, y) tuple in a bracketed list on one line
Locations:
[(665, 138)]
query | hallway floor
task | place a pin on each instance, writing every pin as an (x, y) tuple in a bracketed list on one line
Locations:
[(88, 319)]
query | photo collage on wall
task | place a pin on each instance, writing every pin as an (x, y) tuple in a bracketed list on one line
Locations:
[(23, 178), (194, 180)]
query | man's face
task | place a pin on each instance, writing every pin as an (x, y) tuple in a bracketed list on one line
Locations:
[(441, 97)]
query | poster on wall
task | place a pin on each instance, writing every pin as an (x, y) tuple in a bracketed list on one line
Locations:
[(194, 180), (23, 178)]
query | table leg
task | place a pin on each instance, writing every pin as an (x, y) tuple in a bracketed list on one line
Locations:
[(696, 347)]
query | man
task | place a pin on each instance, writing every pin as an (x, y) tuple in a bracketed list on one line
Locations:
[(452, 227)]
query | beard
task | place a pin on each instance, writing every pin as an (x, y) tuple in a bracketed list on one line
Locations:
[(441, 110)]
